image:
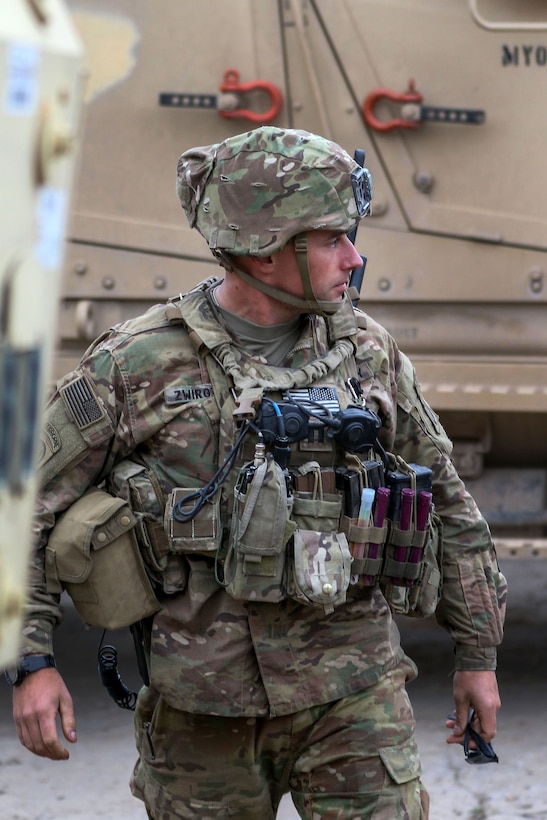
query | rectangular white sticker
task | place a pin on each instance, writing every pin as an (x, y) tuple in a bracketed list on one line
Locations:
[(50, 221), (21, 89)]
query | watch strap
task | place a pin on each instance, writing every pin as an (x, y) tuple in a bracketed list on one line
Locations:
[(27, 665)]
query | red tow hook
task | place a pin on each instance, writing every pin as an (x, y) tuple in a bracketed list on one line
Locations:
[(232, 85), (408, 96), (414, 113)]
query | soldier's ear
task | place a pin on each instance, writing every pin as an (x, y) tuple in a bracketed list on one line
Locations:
[(260, 265)]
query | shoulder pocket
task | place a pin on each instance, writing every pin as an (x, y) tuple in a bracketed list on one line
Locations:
[(92, 552), (411, 400)]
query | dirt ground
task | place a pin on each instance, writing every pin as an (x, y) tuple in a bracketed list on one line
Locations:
[(93, 783)]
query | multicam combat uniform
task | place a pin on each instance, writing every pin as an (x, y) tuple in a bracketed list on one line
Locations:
[(145, 402)]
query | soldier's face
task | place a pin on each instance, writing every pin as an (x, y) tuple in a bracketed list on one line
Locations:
[(331, 258)]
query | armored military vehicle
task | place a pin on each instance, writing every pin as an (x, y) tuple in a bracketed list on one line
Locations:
[(447, 100)]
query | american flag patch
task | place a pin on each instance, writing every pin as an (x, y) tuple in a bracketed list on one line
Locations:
[(81, 402), (323, 398)]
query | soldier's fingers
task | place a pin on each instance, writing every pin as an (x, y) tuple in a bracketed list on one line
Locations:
[(484, 723), (41, 739), (458, 733), (68, 720)]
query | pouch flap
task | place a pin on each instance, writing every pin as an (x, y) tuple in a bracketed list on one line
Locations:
[(321, 568), (93, 521)]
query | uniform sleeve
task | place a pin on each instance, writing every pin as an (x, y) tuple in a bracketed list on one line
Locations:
[(472, 605), (81, 434)]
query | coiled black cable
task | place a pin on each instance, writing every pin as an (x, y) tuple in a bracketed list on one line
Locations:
[(111, 679)]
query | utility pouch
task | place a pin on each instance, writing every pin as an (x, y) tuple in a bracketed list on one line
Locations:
[(200, 533), (320, 562), (320, 568), (93, 553), (254, 566)]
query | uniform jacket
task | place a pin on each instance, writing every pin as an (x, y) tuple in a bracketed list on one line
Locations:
[(144, 395)]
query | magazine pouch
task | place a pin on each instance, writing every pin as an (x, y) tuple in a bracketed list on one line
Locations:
[(420, 599), (411, 575)]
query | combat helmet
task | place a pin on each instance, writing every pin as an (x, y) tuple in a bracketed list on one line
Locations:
[(252, 193)]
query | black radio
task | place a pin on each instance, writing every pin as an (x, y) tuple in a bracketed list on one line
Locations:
[(355, 429)]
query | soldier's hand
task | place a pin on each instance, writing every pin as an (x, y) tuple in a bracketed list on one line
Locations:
[(36, 703), (478, 691)]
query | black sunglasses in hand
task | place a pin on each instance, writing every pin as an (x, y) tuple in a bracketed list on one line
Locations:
[(484, 753)]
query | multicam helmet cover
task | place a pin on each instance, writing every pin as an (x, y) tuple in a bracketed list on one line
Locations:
[(253, 192)]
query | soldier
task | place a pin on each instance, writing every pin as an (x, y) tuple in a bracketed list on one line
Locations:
[(233, 422)]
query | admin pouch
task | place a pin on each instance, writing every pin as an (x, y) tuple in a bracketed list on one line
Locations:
[(93, 554)]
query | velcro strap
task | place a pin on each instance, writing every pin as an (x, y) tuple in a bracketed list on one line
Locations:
[(401, 569), (366, 566), (365, 535)]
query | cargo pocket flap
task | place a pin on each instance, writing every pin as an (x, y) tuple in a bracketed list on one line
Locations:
[(402, 764)]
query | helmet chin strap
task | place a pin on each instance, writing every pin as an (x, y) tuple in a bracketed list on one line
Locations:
[(310, 304), (322, 308)]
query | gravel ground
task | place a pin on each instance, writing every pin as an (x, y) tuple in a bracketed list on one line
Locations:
[(93, 783)]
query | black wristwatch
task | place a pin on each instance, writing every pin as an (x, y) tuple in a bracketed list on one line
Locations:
[(16, 674)]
